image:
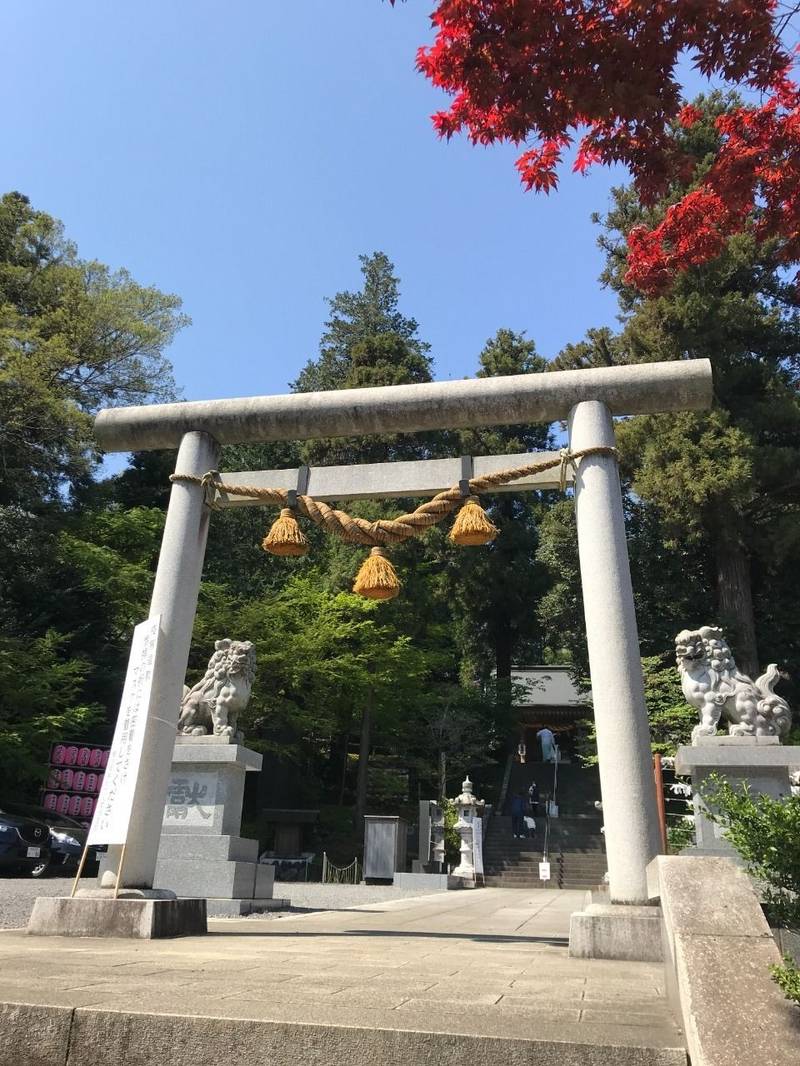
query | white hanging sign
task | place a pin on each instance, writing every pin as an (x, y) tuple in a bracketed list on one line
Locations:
[(544, 871), (112, 814)]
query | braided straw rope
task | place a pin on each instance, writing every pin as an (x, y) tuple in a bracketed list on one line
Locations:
[(354, 530)]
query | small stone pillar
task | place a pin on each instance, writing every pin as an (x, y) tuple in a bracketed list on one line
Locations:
[(763, 762), (201, 853), (467, 809)]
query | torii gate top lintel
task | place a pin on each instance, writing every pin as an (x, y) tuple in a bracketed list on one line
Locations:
[(643, 388)]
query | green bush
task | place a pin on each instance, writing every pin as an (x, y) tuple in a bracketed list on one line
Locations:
[(788, 977), (766, 833), (680, 835)]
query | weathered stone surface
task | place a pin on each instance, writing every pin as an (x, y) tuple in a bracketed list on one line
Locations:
[(720, 1029), (718, 969), (612, 931), (712, 683), (212, 706), (208, 848), (265, 880), (101, 1037), (730, 910), (189, 877), (620, 715), (34, 1035), (142, 919), (426, 882), (325, 984), (638, 389), (239, 908)]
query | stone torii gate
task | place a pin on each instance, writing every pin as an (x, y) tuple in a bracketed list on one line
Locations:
[(587, 399)]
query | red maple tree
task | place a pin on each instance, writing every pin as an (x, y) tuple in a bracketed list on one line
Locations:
[(603, 73)]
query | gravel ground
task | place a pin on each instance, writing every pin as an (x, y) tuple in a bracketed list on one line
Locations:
[(18, 893)]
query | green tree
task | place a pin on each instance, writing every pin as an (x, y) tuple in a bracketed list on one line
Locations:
[(74, 336), (724, 482), (361, 316), (40, 702), (496, 588)]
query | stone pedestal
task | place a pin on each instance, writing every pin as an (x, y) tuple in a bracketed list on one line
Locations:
[(201, 854), (762, 762), (140, 919), (605, 930)]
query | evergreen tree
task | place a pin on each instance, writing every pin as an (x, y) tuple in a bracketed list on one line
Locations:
[(725, 481), (74, 336), (497, 587), (361, 316)]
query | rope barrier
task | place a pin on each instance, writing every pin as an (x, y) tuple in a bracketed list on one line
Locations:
[(355, 530)]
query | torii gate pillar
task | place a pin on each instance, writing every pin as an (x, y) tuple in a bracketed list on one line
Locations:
[(175, 591), (620, 716)]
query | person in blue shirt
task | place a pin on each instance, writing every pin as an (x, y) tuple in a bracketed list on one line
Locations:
[(518, 816)]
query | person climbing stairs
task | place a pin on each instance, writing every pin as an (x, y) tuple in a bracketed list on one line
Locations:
[(576, 848)]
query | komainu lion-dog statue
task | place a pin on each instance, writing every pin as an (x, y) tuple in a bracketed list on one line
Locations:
[(712, 683), (213, 705)]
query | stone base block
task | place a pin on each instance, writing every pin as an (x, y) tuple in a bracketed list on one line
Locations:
[(237, 908), (141, 919), (616, 931), (189, 877), (205, 848), (427, 882)]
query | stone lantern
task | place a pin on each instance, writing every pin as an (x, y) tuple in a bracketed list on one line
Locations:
[(467, 810)]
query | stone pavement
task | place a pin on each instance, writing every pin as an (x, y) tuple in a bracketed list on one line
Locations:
[(450, 978)]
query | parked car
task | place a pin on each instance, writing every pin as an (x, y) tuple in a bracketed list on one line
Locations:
[(24, 841), (64, 842)]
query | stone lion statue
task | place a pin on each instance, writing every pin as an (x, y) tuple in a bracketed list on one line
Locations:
[(213, 706), (712, 683)]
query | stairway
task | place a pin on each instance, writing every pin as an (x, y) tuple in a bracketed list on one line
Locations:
[(576, 846)]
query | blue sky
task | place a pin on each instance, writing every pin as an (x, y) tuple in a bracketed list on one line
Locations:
[(243, 154)]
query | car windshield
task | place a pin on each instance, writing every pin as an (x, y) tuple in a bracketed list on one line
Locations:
[(24, 810)]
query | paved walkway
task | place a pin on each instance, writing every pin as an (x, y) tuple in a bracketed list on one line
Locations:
[(490, 964)]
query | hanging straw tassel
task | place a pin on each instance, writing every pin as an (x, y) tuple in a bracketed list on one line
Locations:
[(377, 579), (285, 537), (471, 526)]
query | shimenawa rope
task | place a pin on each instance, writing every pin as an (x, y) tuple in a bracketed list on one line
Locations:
[(355, 530)]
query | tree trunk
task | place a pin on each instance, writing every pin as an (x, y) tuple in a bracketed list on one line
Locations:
[(442, 774), (363, 761), (736, 597), (345, 759)]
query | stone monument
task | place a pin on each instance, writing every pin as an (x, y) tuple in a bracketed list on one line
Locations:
[(201, 853), (757, 719)]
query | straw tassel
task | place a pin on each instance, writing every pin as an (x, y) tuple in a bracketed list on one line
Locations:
[(285, 537), (471, 526), (377, 579)]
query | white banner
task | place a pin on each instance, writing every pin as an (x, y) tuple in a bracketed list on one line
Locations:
[(112, 814), (477, 844), (544, 871)]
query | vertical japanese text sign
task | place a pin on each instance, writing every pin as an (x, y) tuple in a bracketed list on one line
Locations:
[(115, 803)]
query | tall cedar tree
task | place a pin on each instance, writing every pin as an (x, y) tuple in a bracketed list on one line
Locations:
[(367, 342), (496, 588), (725, 481)]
